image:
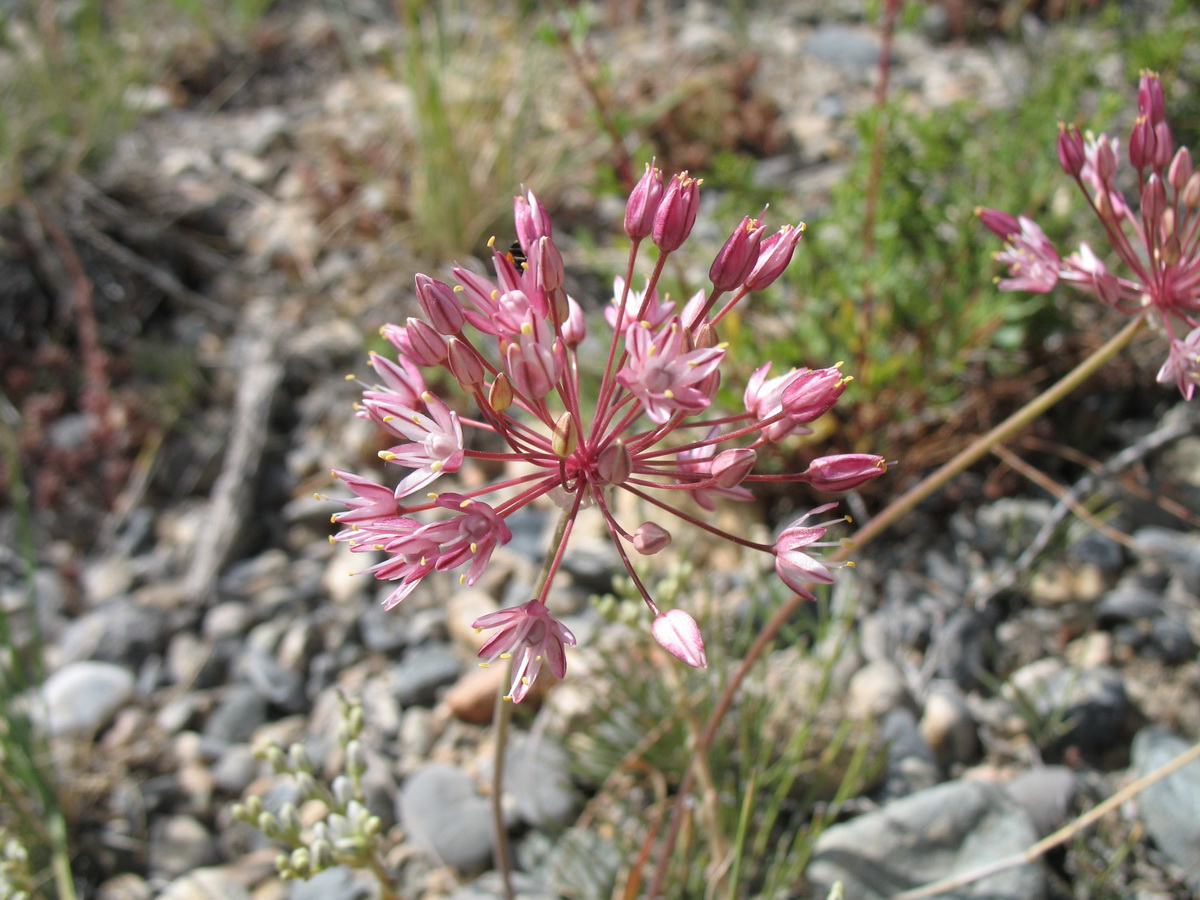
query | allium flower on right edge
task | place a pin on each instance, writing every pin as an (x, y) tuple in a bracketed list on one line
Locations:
[(503, 355), (1158, 243)]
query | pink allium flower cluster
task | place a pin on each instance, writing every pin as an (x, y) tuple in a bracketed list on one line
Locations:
[(1158, 241), (510, 344)]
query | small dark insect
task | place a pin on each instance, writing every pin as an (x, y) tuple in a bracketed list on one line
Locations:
[(517, 254)]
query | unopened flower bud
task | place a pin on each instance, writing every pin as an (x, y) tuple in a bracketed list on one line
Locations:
[(812, 394), (565, 439), (440, 305), (679, 635), (1191, 191), (615, 464), (322, 855), (676, 213), (532, 220), (1180, 169), (730, 467), (574, 326), (547, 263), (1164, 146), (500, 395), (342, 790), (774, 254), (464, 364), (844, 471), (298, 759), (643, 204), (1151, 102), (705, 336), (425, 346), (1154, 199), (289, 819), (650, 538), (1001, 224), (738, 257), (1071, 154)]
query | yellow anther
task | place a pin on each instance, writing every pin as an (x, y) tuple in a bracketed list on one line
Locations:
[(350, 377), (506, 655), (387, 455), (437, 465), (669, 394), (465, 503), (474, 547)]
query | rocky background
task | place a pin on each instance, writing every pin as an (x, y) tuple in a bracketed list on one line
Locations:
[(1011, 665)]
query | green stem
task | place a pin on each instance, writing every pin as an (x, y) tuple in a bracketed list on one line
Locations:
[(871, 530)]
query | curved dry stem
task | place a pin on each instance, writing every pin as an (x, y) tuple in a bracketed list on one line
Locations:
[(880, 523), (1061, 836)]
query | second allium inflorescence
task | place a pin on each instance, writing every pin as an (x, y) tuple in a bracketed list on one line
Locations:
[(510, 344)]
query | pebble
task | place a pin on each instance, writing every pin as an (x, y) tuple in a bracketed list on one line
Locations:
[(948, 727), (537, 778), (337, 883), (1129, 601), (211, 883), (179, 844), (422, 672), (1171, 641), (1092, 704), (446, 817), (1171, 807), (950, 829), (119, 631), (911, 766), (1047, 794), (82, 697), (241, 711), (876, 689)]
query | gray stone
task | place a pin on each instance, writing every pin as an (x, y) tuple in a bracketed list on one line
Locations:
[(1092, 704), (423, 671), (338, 883), (538, 778), (179, 844), (1128, 602), (240, 712), (82, 697), (1171, 807), (911, 765), (1047, 795), (490, 887), (235, 769), (947, 830), (205, 884), (1171, 641), (845, 47), (584, 864), (120, 631), (446, 817), (276, 682)]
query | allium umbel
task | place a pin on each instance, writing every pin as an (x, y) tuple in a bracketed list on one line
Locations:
[(1158, 240), (510, 345)]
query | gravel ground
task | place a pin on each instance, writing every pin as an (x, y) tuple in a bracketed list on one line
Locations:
[(192, 606)]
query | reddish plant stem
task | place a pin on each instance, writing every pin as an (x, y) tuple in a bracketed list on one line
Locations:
[(888, 517)]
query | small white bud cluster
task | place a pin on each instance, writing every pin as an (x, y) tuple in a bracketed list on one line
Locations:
[(348, 834), (16, 881)]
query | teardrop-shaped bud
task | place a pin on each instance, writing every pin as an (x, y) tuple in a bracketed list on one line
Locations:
[(565, 439), (651, 538), (500, 395), (730, 467), (614, 465), (678, 634)]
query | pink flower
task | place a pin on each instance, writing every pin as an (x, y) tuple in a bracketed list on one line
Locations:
[(530, 635), (662, 374), (795, 565), (1157, 245), (437, 440), (524, 408), (1183, 364)]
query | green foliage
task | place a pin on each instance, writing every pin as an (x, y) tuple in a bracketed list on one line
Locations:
[(778, 769), (34, 856), (912, 307), (71, 75)]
